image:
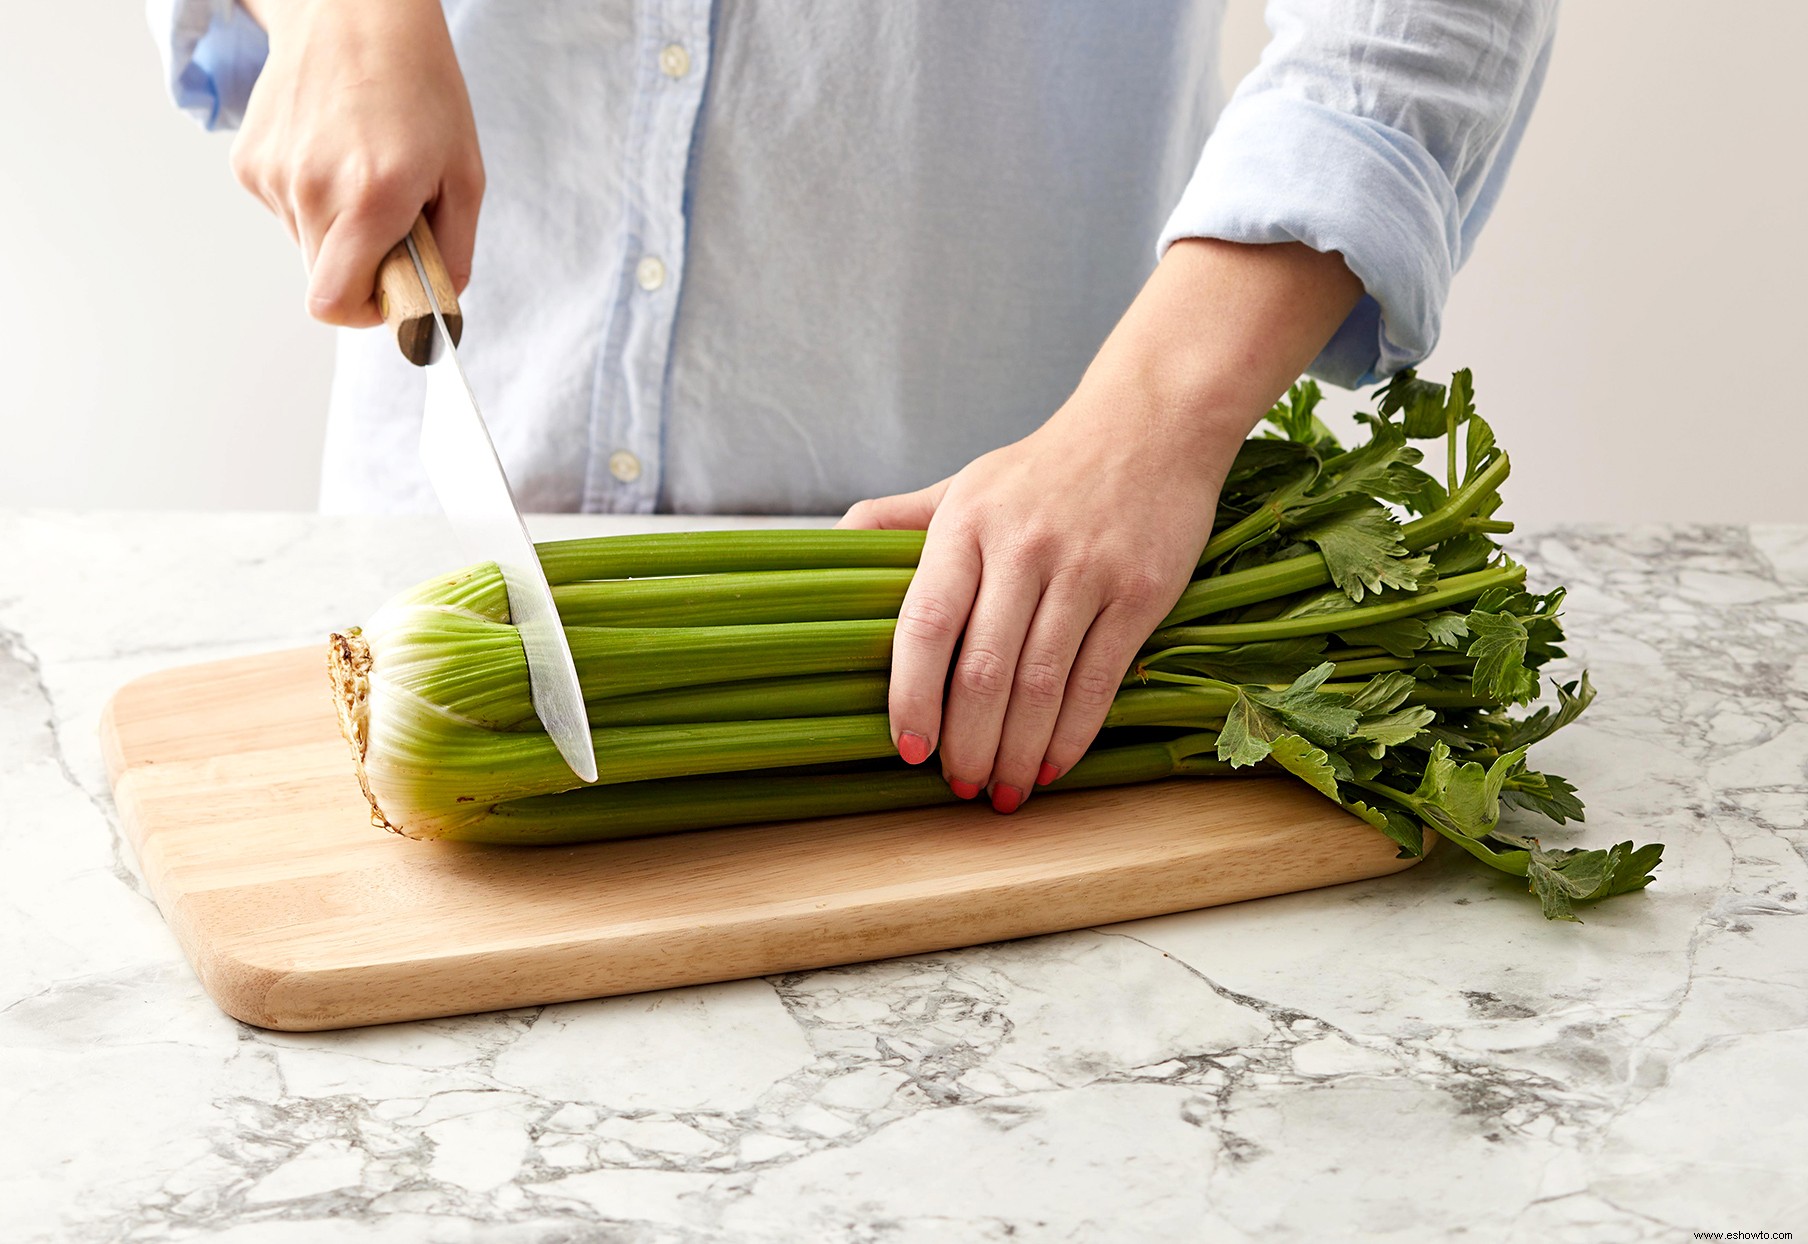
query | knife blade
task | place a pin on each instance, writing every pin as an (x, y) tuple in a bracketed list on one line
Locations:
[(473, 489)]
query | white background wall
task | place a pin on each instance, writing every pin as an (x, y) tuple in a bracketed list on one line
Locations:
[(1634, 313)]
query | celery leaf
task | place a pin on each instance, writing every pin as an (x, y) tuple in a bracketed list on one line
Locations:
[(1386, 467), (1420, 403), (1464, 798), (1499, 649), (1262, 715), (1270, 661), (1392, 729), (1461, 554), (1384, 692), (1306, 762), (1365, 550), (1543, 793), (1572, 699), (1446, 629), (1293, 416), (1399, 638), (1562, 879), (1394, 823), (1481, 450)]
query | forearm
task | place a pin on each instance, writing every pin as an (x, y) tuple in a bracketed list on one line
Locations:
[(1381, 130), (1213, 339)]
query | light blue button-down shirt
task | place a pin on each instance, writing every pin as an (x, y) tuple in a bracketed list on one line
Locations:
[(776, 257)]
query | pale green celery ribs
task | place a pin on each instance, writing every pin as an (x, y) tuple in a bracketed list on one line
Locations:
[(1352, 624)]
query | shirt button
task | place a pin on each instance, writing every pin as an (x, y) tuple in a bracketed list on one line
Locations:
[(649, 273), (624, 466), (674, 61)]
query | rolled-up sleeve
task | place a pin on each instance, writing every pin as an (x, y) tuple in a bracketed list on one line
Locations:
[(1380, 129), (212, 51)]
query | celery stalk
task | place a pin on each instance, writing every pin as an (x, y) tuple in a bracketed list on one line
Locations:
[(657, 807)]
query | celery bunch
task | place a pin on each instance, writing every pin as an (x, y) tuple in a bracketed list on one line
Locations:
[(1352, 623)]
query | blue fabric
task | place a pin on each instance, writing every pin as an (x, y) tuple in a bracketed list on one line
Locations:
[(212, 51), (1382, 131), (890, 235)]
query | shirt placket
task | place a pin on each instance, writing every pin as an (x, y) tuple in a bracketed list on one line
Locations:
[(630, 413)]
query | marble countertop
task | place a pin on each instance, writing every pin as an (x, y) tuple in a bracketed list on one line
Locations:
[(1416, 1058)]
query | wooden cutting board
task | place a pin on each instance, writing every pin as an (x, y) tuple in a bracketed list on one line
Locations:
[(238, 795)]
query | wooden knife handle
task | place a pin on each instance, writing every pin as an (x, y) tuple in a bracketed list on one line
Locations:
[(403, 303)]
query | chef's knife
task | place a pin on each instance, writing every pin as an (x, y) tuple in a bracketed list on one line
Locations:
[(416, 298)]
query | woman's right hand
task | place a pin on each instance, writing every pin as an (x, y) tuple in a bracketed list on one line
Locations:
[(358, 122)]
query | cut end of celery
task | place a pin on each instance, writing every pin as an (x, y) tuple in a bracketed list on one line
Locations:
[(348, 665)]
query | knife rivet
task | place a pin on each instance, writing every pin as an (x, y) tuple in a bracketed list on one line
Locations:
[(624, 466)]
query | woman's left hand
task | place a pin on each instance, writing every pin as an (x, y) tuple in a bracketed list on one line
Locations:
[(1051, 560)]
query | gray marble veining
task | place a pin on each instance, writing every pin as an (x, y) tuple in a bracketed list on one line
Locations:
[(1416, 1058)]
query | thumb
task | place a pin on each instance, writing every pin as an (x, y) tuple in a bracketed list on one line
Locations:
[(453, 219), (904, 511)]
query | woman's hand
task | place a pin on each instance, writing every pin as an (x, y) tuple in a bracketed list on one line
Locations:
[(1050, 561), (358, 121)]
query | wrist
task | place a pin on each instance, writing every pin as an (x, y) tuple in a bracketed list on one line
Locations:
[(281, 18), (1159, 420), (277, 16)]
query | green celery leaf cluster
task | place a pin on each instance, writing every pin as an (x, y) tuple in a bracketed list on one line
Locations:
[(1387, 683)]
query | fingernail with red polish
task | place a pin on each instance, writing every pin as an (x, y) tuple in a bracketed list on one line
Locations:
[(1006, 798), (1046, 774), (913, 747), (966, 790)]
